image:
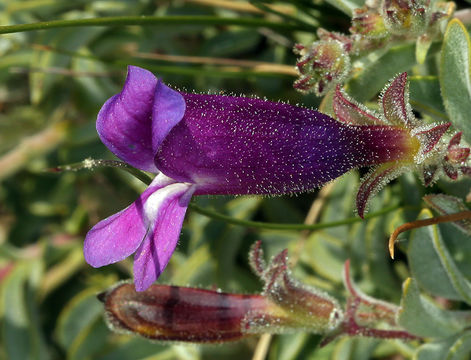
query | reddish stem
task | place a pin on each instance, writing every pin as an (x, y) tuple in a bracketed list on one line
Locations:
[(462, 215)]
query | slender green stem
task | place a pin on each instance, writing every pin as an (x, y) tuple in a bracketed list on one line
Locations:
[(155, 20), (281, 226), (94, 163), (90, 164)]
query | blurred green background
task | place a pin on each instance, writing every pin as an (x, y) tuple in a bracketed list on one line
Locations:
[(52, 84)]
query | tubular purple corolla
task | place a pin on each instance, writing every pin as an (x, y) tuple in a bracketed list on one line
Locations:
[(201, 144)]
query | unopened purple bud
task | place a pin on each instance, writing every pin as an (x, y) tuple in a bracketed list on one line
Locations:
[(174, 313)]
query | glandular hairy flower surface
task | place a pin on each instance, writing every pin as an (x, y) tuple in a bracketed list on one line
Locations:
[(201, 144)]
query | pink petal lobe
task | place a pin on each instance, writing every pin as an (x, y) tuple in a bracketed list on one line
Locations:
[(166, 211), (118, 236)]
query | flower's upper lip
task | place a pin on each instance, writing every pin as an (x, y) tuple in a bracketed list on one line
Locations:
[(133, 123)]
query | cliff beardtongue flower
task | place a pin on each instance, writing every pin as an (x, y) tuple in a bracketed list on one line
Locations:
[(427, 151), (212, 144)]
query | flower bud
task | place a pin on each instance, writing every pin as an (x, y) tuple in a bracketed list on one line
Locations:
[(321, 66), (406, 17), (369, 23), (174, 313)]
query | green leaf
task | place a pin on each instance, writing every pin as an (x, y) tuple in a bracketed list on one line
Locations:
[(326, 250), (380, 269), (379, 67), (455, 77), (94, 90), (340, 204), (213, 244), (422, 317), (354, 348), (347, 6), (289, 346), (228, 44), (90, 341), (425, 96), (80, 312), (445, 205), (200, 263), (461, 349), (454, 348), (326, 255), (43, 62), (455, 234), (22, 337), (434, 351), (432, 265), (138, 348)]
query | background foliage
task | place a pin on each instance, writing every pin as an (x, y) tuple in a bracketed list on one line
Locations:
[(52, 84)]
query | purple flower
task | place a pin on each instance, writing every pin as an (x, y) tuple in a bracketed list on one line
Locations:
[(203, 144)]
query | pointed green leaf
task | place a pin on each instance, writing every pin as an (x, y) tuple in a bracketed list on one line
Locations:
[(22, 337), (422, 317), (90, 341), (424, 96), (380, 66), (79, 313), (433, 266), (455, 77), (326, 255)]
